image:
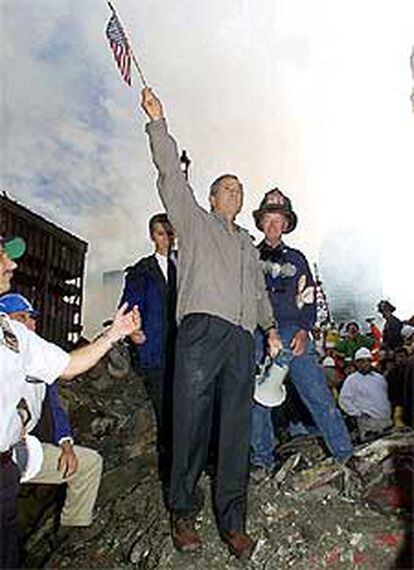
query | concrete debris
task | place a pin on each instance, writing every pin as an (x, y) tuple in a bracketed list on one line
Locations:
[(289, 466), (302, 518)]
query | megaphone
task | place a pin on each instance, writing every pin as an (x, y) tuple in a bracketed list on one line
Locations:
[(269, 390)]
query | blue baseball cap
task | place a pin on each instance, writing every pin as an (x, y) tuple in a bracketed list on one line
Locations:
[(15, 303), (14, 246)]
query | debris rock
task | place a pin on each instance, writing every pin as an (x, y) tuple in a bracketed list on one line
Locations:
[(301, 518)]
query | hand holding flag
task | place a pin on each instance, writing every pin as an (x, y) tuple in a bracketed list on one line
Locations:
[(151, 104)]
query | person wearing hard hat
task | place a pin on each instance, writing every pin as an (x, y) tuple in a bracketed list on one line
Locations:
[(24, 354), (364, 396), (407, 334), (291, 290), (63, 461), (331, 375)]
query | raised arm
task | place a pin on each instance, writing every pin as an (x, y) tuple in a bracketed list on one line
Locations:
[(175, 192), (151, 104)]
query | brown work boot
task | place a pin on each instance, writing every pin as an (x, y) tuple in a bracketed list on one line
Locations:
[(184, 535), (240, 544)]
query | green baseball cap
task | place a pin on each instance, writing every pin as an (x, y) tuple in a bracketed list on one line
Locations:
[(14, 246)]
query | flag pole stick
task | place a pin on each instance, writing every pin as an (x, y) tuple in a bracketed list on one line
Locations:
[(134, 59)]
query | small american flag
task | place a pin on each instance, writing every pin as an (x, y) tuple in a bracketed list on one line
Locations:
[(119, 45)]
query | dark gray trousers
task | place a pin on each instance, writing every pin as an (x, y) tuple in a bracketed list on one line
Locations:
[(9, 535), (214, 368), (158, 383)]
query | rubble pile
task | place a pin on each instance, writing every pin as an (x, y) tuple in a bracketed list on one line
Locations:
[(110, 412), (310, 515)]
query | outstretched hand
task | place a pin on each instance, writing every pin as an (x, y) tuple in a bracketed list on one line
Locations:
[(125, 323), (83, 358), (151, 104)]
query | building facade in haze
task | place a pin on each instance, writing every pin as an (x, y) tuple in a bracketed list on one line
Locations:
[(51, 272)]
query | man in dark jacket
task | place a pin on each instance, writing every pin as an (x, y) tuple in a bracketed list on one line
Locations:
[(395, 377), (151, 284), (391, 334), (408, 388)]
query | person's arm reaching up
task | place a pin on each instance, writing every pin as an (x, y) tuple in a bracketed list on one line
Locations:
[(175, 192)]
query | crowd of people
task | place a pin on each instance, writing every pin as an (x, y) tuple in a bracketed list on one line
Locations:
[(370, 373), (209, 316)]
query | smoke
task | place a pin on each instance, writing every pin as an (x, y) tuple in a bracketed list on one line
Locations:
[(71, 149), (313, 97), (350, 266)]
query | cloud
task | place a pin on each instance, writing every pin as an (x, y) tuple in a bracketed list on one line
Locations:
[(68, 151), (311, 96)]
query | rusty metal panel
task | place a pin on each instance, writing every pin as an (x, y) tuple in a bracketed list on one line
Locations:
[(50, 274)]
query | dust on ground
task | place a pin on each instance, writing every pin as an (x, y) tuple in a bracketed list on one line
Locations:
[(311, 515)]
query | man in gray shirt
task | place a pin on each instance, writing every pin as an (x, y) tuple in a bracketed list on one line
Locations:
[(221, 299)]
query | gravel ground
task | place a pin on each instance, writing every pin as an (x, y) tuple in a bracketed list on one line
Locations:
[(315, 518)]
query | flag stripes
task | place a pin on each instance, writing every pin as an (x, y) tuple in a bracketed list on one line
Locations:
[(120, 47)]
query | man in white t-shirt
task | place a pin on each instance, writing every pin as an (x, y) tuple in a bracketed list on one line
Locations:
[(364, 396), (23, 354)]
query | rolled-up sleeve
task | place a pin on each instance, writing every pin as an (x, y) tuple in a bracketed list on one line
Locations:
[(42, 359)]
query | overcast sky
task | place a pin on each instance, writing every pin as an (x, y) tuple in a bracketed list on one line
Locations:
[(313, 96)]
